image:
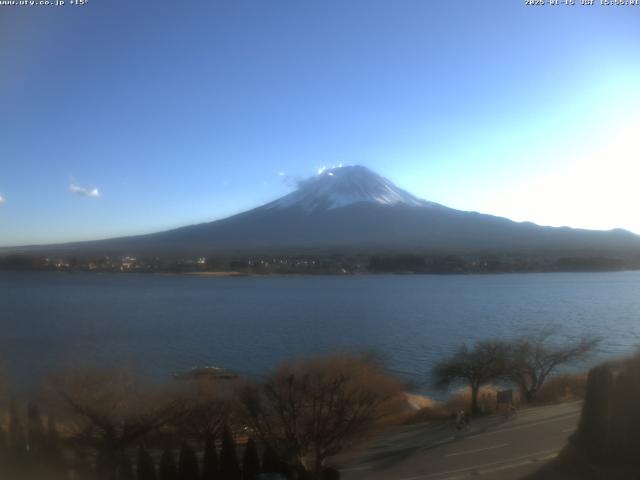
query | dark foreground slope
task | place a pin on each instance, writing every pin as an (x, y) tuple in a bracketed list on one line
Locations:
[(605, 444)]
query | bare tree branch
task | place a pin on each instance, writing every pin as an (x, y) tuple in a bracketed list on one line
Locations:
[(312, 410), (485, 362), (534, 358)]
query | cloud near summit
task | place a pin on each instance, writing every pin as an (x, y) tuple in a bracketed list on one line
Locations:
[(84, 192)]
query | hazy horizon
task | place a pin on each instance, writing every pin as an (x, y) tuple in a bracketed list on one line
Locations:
[(193, 113)]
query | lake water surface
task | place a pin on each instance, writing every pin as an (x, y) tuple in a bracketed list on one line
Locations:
[(166, 324)]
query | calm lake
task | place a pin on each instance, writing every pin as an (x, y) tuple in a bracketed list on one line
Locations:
[(167, 324)]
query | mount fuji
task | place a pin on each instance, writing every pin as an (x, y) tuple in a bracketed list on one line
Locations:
[(344, 186), (351, 209)]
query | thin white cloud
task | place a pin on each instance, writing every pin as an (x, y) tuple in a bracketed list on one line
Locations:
[(84, 192), (2, 200), (324, 168)]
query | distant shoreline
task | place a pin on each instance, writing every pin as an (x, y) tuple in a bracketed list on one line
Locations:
[(332, 264), (201, 274), (360, 274), (237, 274)]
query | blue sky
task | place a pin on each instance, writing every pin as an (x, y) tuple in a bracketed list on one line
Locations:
[(125, 117)]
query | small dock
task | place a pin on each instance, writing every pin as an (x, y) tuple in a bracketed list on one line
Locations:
[(206, 373)]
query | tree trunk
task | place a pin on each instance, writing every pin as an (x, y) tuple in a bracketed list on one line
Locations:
[(475, 410), (106, 464), (529, 392), (530, 395), (318, 467)]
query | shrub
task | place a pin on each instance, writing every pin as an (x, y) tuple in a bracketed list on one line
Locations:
[(487, 397), (563, 388)]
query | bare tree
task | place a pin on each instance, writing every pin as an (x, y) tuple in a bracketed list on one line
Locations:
[(207, 407), (309, 411), (534, 358), (476, 366), (110, 411)]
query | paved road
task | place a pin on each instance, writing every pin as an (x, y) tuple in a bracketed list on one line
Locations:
[(492, 448)]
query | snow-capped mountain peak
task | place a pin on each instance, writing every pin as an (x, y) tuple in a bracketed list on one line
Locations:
[(342, 186)]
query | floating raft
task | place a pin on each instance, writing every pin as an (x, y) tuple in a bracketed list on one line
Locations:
[(204, 373)]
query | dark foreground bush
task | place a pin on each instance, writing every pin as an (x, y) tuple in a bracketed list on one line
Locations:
[(609, 429)]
